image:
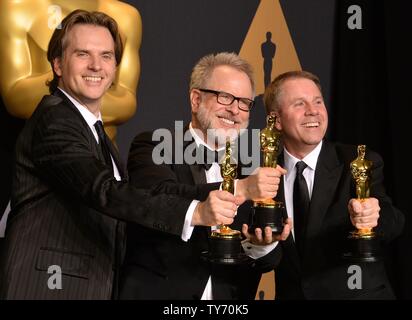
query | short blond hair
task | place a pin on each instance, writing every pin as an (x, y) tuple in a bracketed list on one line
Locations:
[(274, 89), (203, 69)]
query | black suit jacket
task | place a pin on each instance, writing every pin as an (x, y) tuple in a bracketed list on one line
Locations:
[(67, 210), (161, 266), (321, 273)]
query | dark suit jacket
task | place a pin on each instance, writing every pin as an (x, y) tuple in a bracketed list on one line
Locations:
[(322, 273), (67, 210), (161, 266)]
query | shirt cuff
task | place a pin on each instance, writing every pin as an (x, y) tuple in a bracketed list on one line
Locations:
[(187, 227), (257, 251)]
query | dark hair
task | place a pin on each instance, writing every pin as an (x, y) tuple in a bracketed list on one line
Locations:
[(58, 41), (274, 89)]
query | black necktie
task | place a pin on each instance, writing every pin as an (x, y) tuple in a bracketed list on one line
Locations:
[(103, 143), (300, 204)]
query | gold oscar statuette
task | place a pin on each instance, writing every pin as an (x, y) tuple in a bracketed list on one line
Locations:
[(224, 242), (363, 245), (228, 170), (361, 174), (269, 212)]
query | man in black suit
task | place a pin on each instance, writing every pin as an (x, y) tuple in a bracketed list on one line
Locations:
[(70, 195), (161, 266), (312, 266)]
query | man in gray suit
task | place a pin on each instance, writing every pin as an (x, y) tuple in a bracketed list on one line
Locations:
[(70, 196)]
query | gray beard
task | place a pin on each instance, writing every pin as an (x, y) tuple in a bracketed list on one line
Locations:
[(218, 136)]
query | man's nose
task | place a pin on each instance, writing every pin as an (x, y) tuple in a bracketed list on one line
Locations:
[(233, 107), (95, 63), (311, 109)]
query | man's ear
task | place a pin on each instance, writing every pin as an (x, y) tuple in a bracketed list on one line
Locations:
[(195, 100), (57, 66), (278, 121)]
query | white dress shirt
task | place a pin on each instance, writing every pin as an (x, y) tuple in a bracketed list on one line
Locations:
[(91, 119), (290, 161)]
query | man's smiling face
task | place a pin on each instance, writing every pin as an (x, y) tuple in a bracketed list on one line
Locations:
[(209, 114)]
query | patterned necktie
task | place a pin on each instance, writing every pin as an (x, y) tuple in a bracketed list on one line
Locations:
[(103, 143), (301, 203)]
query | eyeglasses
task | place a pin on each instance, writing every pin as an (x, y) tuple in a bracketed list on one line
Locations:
[(227, 99)]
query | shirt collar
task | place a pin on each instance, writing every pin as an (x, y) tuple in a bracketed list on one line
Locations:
[(199, 140), (86, 114), (311, 158)]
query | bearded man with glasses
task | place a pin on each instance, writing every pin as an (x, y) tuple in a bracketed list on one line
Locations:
[(158, 266)]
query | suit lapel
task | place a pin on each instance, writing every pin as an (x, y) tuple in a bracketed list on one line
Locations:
[(197, 170), (113, 150), (91, 139), (192, 174), (198, 174), (116, 158), (327, 175), (68, 103)]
